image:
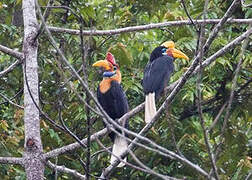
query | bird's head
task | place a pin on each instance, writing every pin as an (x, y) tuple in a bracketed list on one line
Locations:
[(171, 51), (167, 48), (108, 65)]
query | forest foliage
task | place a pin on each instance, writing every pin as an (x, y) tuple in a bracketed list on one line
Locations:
[(179, 129)]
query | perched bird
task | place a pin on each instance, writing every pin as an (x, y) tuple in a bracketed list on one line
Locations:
[(113, 100), (157, 74)]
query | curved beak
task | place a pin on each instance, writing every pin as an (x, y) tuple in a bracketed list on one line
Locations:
[(102, 63), (177, 53)]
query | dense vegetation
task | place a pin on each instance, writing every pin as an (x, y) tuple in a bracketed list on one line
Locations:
[(179, 128)]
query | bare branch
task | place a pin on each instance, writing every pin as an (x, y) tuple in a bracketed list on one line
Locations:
[(188, 15), (72, 146), (144, 27), (149, 170), (67, 129), (11, 160), (139, 136), (10, 101), (19, 93), (10, 68), (11, 52), (63, 169), (46, 15)]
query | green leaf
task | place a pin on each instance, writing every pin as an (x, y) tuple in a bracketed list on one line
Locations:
[(121, 54)]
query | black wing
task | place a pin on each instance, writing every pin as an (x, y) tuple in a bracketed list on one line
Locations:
[(157, 74), (114, 102)]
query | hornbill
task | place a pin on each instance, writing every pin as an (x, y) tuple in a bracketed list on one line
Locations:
[(157, 74), (113, 100)]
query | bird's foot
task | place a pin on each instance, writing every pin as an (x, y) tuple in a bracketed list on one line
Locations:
[(154, 131)]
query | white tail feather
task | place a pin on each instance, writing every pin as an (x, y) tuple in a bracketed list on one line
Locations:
[(150, 107), (120, 145)]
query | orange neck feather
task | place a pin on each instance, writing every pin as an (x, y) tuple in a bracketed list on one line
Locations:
[(105, 84)]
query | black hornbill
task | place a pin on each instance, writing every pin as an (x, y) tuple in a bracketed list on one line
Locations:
[(113, 100), (157, 74)]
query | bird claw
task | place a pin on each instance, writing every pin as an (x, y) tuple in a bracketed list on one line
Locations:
[(154, 131)]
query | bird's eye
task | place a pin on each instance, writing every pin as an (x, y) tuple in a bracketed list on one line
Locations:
[(115, 68), (163, 50)]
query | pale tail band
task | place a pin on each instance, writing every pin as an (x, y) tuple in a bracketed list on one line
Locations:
[(150, 107), (120, 145)]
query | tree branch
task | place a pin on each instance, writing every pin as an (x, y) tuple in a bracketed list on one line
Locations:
[(149, 170), (63, 169), (188, 15), (73, 146), (143, 27), (11, 52), (11, 160), (10, 68), (10, 101)]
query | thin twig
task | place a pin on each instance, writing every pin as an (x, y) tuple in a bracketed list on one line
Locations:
[(10, 101), (101, 151), (13, 53), (67, 129), (126, 163), (149, 170), (46, 15), (84, 51), (188, 15), (10, 68), (19, 93)]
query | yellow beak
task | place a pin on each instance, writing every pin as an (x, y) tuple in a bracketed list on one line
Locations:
[(170, 45), (102, 63), (178, 54)]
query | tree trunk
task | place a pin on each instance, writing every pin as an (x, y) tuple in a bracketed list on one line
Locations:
[(33, 163)]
